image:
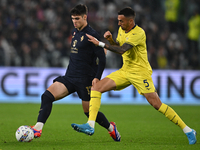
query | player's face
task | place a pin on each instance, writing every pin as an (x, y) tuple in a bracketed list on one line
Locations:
[(123, 22), (79, 21)]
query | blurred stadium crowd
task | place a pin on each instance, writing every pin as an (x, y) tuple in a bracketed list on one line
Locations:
[(38, 32)]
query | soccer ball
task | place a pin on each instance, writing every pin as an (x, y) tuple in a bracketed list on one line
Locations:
[(24, 134)]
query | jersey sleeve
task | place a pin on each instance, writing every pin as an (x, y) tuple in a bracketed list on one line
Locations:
[(102, 62), (99, 52)]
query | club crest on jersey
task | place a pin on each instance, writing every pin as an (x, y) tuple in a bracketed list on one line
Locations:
[(74, 43), (73, 48)]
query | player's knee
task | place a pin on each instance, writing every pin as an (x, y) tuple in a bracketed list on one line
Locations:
[(47, 97), (94, 88)]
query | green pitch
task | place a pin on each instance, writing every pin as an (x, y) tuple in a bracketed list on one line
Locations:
[(141, 128)]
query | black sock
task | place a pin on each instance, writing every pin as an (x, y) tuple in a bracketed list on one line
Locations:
[(101, 119), (46, 105)]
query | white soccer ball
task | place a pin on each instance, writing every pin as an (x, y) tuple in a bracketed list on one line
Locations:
[(24, 134)]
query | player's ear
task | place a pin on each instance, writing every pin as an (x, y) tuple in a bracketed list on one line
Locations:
[(131, 21), (85, 17)]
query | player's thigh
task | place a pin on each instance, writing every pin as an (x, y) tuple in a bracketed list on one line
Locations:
[(83, 87), (58, 90), (143, 83), (118, 80), (104, 85)]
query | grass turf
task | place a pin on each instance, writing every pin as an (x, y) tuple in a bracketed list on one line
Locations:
[(141, 128)]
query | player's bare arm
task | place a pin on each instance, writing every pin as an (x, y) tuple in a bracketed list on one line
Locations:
[(114, 48), (118, 49)]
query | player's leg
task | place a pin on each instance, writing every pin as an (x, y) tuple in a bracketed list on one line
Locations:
[(103, 121), (95, 101), (144, 85), (105, 84), (100, 87), (154, 100), (115, 81), (83, 91), (55, 92)]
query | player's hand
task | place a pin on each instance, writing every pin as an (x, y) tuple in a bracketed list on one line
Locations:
[(108, 35), (92, 39), (94, 81)]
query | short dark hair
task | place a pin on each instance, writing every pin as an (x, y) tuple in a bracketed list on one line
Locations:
[(79, 10), (127, 12)]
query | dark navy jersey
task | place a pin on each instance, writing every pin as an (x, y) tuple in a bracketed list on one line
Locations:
[(83, 57)]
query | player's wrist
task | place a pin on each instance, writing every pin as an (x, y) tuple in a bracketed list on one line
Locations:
[(102, 44)]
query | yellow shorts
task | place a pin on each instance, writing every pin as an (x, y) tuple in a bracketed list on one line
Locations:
[(122, 79)]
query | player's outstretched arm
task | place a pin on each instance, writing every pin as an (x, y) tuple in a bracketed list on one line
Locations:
[(114, 48)]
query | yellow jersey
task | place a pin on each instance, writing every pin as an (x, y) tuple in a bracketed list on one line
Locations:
[(135, 59)]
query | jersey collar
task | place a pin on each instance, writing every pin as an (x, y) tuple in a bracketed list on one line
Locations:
[(132, 28), (83, 28)]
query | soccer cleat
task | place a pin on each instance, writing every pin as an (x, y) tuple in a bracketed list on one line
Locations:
[(37, 133), (115, 134), (84, 128), (191, 137)]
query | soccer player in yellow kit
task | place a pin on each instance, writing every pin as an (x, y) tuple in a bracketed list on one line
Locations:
[(136, 70)]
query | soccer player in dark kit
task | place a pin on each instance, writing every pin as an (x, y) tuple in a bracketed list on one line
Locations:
[(85, 68)]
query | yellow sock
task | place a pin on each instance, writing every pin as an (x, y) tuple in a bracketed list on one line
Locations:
[(95, 103), (171, 115)]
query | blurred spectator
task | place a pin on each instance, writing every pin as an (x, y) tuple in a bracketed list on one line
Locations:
[(25, 54), (162, 58), (2, 55), (193, 36), (152, 56), (193, 32), (38, 33), (172, 13), (174, 48)]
